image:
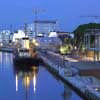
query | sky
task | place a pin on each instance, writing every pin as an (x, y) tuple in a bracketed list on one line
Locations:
[(66, 12)]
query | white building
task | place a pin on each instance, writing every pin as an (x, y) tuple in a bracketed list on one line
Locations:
[(19, 35), (53, 34)]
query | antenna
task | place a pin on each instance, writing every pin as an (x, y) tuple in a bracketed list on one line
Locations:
[(36, 12)]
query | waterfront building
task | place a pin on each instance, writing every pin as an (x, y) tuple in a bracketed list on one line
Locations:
[(92, 44), (29, 30), (50, 43), (6, 36)]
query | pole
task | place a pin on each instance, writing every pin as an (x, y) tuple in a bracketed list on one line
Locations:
[(36, 11)]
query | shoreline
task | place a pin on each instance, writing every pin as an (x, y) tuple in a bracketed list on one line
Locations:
[(77, 85)]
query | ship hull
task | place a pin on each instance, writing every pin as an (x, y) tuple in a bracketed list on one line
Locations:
[(26, 61)]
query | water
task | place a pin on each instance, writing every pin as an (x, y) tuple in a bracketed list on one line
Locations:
[(35, 84)]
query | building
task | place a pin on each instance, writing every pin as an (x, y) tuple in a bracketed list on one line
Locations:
[(92, 44), (44, 27), (29, 30), (63, 34), (49, 43), (6, 36)]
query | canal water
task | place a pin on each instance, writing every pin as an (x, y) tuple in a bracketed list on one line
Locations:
[(34, 84)]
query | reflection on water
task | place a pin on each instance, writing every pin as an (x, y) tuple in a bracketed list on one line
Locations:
[(26, 76), (16, 83), (35, 83), (5, 60), (67, 93)]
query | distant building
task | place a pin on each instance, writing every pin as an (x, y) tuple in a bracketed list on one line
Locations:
[(6, 36), (50, 43), (30, 31), (92, 44), (44, 27), (63, 35)]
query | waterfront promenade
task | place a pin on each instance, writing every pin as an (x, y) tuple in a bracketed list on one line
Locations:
[(83, 65), (85, 86)]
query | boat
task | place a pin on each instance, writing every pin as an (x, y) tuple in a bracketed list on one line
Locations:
[(25, 58), (26, 53)]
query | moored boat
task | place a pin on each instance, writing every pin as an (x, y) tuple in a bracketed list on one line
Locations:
[(25, 58)]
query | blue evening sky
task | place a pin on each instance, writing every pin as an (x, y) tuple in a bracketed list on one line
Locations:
[(67, 12)]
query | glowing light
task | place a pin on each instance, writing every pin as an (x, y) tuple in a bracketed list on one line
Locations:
[(75, 48), (27, 44), (16, 83), (26, 81), (36, 44), (71, 59), (97, 89), (1, 44), (34, 41), (34, 82)]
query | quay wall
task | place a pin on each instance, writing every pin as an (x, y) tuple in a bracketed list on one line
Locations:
[(73, 81)]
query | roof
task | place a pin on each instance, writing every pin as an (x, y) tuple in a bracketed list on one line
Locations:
[(93, 31), (62, 32), (53, 34), (45, 21)]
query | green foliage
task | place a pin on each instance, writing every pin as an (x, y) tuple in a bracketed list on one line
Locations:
[(66, 49)]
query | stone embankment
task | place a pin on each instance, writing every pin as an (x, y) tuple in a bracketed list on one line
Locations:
[(69, 75)]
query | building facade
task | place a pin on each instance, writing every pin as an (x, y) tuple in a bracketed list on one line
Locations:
[(92, 44), (44, 27)]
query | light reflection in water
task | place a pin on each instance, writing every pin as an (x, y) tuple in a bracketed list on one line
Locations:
[(34, 82), (26, 77), (16, 83), (26, 81), (5, 60), (1, 61), (19, 83)]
